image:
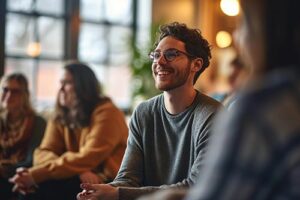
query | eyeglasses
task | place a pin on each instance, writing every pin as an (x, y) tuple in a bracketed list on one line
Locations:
[(64, 82), (169, 55), (13, 91)]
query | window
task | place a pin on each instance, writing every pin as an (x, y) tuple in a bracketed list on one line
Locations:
[(40, 35), (34, 45), (104, 42)]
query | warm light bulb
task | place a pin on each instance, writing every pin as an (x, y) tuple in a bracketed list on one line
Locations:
[(34, 49), (223, 39), (230, 7)]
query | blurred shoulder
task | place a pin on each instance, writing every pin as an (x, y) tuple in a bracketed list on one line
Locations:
[(106, 106), (272, 101), (209, 100), (208, 104)]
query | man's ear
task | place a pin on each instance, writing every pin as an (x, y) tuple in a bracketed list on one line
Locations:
[(197, 64)]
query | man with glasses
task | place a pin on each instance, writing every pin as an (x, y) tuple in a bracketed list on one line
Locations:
[(168, 133)]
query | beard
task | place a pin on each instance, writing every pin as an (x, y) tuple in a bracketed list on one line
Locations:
[(176, 79)]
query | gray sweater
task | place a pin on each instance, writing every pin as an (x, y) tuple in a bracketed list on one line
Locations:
[(165, 150)]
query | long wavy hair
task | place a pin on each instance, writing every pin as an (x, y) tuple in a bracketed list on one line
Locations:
[(26, 107), (88, 94)]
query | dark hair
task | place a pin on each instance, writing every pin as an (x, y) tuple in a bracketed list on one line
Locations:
[(194, 42), (22, 81), (88, 93), (282, 30)]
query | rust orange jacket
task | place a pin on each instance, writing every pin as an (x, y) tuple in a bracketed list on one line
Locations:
[(101, 145)]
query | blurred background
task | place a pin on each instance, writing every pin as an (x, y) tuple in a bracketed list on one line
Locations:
[(113, 36)]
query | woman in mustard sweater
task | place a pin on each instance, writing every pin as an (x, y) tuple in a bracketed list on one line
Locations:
[(84, 141)]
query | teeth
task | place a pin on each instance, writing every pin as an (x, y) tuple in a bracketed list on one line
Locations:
[(163, 73)]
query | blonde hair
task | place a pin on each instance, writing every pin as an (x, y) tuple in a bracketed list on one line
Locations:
[(22, 81)]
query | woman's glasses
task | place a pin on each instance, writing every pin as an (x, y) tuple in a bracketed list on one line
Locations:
[(13, 91), (169, 55)]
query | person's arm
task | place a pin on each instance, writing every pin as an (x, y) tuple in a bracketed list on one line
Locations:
[(52, 144), (52, 161), (131, 170)]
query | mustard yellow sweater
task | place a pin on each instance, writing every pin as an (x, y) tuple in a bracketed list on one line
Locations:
[(99, 146)]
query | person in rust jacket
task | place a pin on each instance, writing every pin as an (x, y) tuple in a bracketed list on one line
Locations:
[(83, 143)]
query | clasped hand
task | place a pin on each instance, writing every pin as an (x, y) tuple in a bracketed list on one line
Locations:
[(98, 191), (23, 181)]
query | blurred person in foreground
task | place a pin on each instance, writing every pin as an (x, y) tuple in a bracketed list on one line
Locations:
[(168, 133), (238, 77), (21, 130), (255, 150), (83, 143)]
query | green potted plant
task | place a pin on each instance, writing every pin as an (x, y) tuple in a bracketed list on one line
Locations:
[(143, 84)]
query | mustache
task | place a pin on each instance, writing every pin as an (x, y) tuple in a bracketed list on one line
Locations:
[(160, 68)]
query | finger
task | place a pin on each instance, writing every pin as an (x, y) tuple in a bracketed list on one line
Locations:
[(88, 192), (12, 179), (15, 178), (23, 192), (18, 187), (21, 170), (15, 188), (80, 196), (86, 186), (83, 195)]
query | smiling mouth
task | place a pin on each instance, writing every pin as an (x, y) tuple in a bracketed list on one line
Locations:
[(163, 72)]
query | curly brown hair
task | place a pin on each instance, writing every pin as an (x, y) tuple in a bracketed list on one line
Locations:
[(195, 44)]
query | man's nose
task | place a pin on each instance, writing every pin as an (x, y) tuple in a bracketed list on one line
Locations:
[(161, 59)]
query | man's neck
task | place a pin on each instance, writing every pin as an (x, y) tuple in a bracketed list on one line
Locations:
[(177, 100)]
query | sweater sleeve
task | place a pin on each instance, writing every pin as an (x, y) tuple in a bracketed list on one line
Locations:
[(53, 160), (131, 170)]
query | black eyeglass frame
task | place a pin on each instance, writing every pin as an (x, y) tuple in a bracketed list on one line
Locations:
[(14, 91), (173, 50)]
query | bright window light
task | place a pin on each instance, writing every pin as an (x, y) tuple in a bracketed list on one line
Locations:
[(230, 7), (223, 39)]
